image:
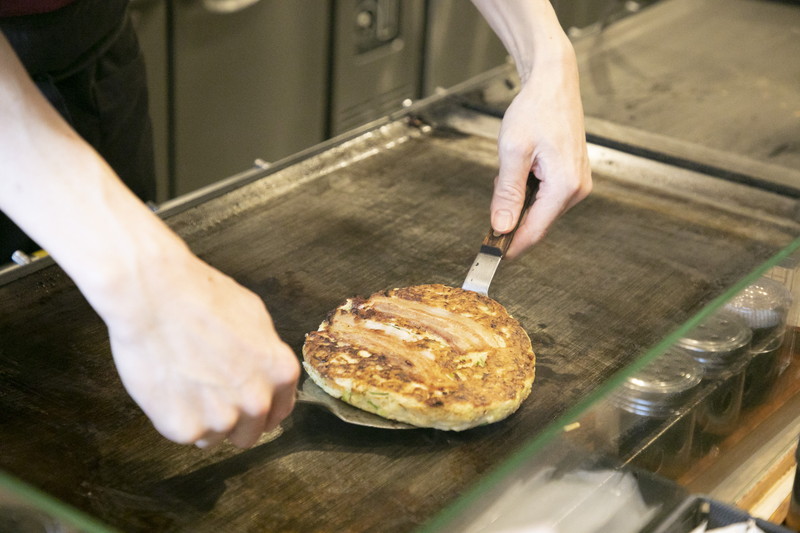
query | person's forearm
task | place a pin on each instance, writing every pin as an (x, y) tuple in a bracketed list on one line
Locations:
[(62, 193), (529, 30), (196, 351)]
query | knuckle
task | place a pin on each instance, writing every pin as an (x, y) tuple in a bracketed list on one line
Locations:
[(587, 187), (509, 192), (180, 432), (285, 367), (224, 421), (257, 404), (580, 189), (514, 146), (293, 370)]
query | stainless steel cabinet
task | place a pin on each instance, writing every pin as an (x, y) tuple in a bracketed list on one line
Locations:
[(247, 84), (460, 45), (227, 87)]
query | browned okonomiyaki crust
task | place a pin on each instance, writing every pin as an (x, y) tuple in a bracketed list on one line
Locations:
[(429, 355)]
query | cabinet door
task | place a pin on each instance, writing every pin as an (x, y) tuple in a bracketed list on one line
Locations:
[(460, 45), (377, 59), (250, 83), (150, 20)]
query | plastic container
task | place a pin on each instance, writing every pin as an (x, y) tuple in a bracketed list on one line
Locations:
[(762, 370), (721, 345), (652, 419), (764, 306)]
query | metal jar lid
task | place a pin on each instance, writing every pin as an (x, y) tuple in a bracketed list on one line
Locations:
[(763, 304), (662, 387), (720, 343)]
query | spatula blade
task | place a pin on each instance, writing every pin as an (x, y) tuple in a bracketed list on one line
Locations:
[(494, 247), (312, 393), (482, 270)]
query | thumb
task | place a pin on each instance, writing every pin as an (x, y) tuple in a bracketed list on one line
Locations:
[(508, 196)]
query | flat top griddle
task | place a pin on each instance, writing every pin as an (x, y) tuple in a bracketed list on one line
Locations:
[(401, 204)]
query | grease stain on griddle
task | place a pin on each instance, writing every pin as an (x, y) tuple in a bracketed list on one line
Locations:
[(288, 293)]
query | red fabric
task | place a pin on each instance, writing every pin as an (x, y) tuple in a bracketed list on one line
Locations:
[(13, 8)]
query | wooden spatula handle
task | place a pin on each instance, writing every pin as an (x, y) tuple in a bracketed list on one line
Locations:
[(502, 242)]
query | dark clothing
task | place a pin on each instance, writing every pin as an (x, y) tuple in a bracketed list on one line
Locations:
[(85, 59), (13, 8)]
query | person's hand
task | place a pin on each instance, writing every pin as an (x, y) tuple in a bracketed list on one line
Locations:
[(542, 132), (201, 357)]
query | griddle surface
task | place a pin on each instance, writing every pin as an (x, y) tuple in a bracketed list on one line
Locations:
[(397, 206)]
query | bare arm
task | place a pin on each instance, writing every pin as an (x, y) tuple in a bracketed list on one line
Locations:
[(542, 130), (195, 350)]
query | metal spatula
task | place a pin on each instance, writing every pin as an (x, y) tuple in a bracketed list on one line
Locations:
[(494, 247), (310, 392)]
